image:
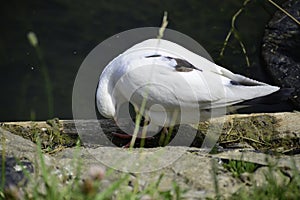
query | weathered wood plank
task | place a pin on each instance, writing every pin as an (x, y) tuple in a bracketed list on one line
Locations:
[(259, 130), (284, 122)]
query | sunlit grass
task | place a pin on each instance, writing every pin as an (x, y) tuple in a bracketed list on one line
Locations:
[(91, 183), (85, 185), (33, 40), (233, 30), (272, 188), (141, 110), (80, 188), (237, 167)]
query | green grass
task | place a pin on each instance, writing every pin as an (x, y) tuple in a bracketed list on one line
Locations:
[(49, 186), (33, 40), (237, 167), (272, 188)]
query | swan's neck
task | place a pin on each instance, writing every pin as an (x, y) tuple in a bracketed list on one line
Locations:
[(104, 99)]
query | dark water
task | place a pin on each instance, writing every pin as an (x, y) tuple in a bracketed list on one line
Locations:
[(68, 30)]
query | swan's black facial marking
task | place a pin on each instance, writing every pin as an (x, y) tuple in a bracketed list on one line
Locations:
[(182, 65)]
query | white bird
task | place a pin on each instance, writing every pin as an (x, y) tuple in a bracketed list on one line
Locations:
[(171, 79)]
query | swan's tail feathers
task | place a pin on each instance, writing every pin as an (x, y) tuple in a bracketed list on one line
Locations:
[(275, 102), (277, 97)]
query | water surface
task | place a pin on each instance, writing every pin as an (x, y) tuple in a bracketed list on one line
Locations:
[(67, 31)]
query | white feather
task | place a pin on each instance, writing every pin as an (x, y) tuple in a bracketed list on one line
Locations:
[(133, 76)]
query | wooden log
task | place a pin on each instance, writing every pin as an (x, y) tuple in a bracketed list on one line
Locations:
[(235, 128), (283, 122)]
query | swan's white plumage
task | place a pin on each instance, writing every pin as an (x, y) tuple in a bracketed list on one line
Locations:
[(207, 87)]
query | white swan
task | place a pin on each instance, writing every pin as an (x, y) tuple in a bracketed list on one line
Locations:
[(171, 78)]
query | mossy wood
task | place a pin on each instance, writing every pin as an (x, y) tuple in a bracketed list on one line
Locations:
[(279, 132)]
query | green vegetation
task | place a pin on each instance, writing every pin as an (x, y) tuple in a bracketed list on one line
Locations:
[(33, 40), (272, 188), (233, 30), (51, 137), (83, 185), (91, 185), (236, 34), (49, 186), (237, 167)]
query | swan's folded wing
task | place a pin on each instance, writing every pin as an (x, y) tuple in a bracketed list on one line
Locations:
[(211, 86)]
